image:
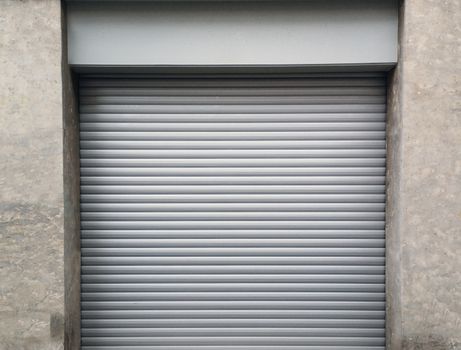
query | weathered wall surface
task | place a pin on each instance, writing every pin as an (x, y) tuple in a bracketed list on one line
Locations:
[(424, 246), (71, 204), (31, 185)]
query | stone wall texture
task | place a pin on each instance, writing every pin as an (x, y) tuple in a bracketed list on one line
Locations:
[(424, 213), (31, 181), (424, 245)]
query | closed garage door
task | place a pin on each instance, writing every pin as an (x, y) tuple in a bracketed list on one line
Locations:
[(233, 213)]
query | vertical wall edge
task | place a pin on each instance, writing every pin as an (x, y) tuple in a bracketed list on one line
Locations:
[(71, 200)]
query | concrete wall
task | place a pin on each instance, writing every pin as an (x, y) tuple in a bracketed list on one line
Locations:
[(71, 204), (424, 215), (31, 181)]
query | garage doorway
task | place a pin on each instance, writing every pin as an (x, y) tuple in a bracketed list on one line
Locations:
[(233, 211)]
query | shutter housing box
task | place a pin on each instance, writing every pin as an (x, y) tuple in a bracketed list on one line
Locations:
[(233, 33)]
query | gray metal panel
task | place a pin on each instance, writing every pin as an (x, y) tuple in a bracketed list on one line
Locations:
[(255, 228), (317, 32)]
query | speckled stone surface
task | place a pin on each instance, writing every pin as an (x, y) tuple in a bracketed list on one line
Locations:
[(31, 185), (424, 217)]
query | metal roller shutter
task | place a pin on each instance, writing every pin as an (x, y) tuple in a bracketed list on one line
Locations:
[(233, 213)]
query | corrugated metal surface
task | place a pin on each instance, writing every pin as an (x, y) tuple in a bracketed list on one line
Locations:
[(233, 213)]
